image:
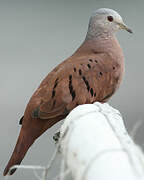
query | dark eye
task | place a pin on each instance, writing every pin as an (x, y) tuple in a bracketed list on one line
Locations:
[(110, 18)]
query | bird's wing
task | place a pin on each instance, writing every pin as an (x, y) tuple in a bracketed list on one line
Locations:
[(78, 81)]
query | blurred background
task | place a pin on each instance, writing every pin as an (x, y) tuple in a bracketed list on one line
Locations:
[(35, 36)]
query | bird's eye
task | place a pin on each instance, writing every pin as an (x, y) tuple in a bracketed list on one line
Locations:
[(110, 18)]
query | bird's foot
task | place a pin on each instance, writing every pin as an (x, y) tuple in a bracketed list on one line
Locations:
[(56, 136)]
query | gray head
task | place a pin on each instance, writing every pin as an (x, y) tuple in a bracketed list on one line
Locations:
[(105, 22)]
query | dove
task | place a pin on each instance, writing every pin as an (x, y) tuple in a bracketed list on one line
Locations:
[(93, 73)]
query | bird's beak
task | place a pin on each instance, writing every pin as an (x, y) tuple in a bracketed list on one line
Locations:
[(124, 26)]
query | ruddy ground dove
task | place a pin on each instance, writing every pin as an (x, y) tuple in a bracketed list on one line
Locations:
[(92, 73)]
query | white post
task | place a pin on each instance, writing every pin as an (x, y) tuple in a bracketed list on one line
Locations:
[(96, 146)]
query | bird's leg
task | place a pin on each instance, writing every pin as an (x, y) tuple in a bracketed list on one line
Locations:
[(56, 136)]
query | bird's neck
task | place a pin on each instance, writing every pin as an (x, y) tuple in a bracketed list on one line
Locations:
[(98, 44), (99, 34)]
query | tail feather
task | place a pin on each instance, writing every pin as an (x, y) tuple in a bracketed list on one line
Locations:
[(28, 134), (23, 143)]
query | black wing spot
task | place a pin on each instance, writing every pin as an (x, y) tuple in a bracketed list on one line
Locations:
[(70, 77), (84, 78), (72, 91), (53, 93), (56, 83), (21, 120), (108, 96), (95, 94), (77, 104), (113, 68), (80, 72), (70, 87), (101, 73), (56, 80), (91, 91), (90, 60), (96, 61), (89, 66), (74, 69), (73, 95), (86, 82)]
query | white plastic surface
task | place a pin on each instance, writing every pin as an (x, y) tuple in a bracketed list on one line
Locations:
[(96, 146)]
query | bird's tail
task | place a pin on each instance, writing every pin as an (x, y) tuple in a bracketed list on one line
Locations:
[(23, 143)]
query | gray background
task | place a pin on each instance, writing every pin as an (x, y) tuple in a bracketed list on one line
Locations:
[(35, 36)]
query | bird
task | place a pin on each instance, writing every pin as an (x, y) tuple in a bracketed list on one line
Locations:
[(92, 73)]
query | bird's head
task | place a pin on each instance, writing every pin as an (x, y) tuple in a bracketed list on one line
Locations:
[(106, 21)]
